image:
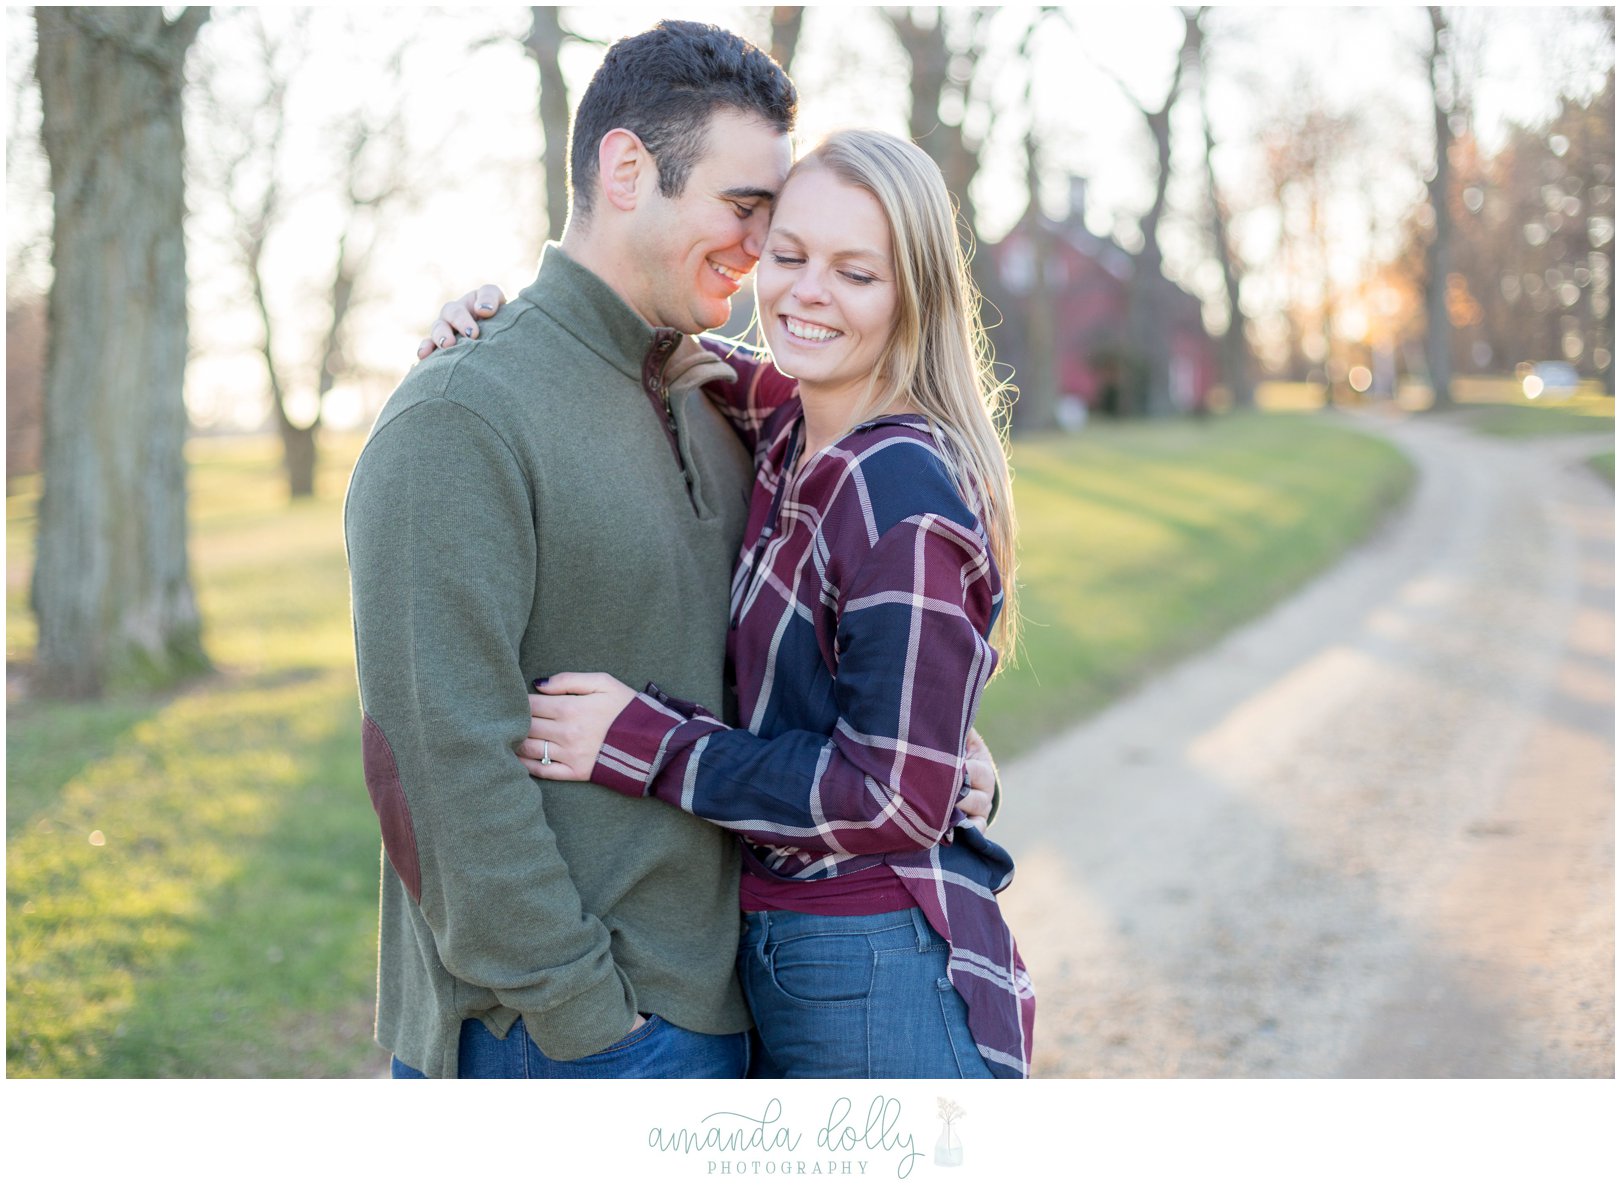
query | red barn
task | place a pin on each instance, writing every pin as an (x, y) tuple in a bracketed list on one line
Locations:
[(1089, 277)]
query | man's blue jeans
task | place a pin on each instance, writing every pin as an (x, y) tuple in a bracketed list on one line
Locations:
[(658, 1049), (854, 997)]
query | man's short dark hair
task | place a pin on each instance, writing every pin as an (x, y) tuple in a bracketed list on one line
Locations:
[(664, 85)]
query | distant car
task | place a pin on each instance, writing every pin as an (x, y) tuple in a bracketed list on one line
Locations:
[(1549, 378)]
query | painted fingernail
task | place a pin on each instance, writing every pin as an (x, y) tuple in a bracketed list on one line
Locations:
[(487, 308), (539, 681)]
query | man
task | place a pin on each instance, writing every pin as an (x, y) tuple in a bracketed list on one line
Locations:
[(536, 502)]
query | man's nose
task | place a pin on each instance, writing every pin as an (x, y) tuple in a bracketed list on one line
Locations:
[(754, 234)]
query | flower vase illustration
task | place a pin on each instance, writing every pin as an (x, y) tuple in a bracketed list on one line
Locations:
[(948, 1148)]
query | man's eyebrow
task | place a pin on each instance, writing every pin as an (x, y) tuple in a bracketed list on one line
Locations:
[(754, 192)]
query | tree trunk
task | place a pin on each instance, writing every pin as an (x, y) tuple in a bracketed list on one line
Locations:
[(1237, 369), (544, 44), (786, 22), (1147, 379), (1438, 325), (1237, 362), (1146, 384), (298, 450), (1038, 385), (111, 588), (298, 442), (25, 387), (930, 59)]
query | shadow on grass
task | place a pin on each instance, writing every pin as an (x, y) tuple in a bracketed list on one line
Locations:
[(280, 966), (227, 924), (49, 744)]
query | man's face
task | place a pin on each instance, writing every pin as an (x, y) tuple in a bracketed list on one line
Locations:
[(694, 251)]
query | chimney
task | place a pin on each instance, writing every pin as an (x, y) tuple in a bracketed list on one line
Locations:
[(1077, 200)]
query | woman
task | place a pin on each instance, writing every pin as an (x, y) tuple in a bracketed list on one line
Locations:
[(864, 606)]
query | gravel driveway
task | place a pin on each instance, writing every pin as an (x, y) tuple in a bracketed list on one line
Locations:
[(1370, 835)]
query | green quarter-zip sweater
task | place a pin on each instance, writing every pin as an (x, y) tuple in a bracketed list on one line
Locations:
[(528, 503)]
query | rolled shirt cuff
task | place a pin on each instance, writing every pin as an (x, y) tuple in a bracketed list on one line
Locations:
[(637, 742)]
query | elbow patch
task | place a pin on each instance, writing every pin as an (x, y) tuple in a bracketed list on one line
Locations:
[(388, 800)]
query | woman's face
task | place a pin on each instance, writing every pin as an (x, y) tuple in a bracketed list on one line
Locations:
[(826, 285)]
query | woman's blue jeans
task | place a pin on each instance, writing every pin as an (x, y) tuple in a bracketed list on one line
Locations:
[(854, 997), (658, 1049)]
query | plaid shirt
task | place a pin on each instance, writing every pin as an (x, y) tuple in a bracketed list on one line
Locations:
[(860, 610)]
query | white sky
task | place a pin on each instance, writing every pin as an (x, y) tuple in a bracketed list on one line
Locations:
[(471, 92)]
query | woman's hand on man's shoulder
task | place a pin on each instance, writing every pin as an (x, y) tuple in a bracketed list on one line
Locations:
[(460, 318)]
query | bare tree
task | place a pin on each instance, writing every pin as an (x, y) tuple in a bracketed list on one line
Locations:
[(1237, 361), (1149, 345), (1534, 227), (944, 79), (1146, 386), (1308, 151), (1438, 325), (544, 44), (112, 586), (1038, 378), (946, 49), (375, 175)]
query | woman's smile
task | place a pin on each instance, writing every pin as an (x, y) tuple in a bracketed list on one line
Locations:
[(809, 332)]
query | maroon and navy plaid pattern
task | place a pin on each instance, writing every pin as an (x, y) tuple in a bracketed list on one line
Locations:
[(860, 611)]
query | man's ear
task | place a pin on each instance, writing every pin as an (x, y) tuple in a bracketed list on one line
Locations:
[(625, 168)]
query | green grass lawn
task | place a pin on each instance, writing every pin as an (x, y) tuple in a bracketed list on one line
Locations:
[(192, 879), (1604, 466), (1524, 418)]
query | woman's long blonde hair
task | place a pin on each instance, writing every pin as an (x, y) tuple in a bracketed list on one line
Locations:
[(938, 358)]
